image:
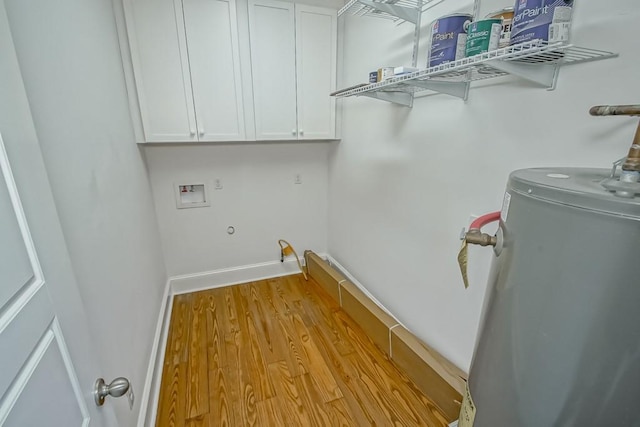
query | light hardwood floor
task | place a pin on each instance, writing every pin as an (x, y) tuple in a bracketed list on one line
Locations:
[(280, 352)]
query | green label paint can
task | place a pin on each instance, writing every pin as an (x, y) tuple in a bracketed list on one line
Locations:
[(483, 36)]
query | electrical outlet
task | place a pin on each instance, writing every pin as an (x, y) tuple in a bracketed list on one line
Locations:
[(297, 179), (218, 184)]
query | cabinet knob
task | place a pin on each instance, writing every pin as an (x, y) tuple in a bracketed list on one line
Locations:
[(201, 132), (293, 132), (301, 132), (192, 132)]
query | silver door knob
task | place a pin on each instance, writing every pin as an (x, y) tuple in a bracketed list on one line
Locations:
[(116, 388)]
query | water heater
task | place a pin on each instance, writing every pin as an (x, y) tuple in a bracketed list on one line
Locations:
[(559, 340)]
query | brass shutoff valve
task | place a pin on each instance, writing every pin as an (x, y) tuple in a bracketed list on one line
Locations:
[(476, 237)]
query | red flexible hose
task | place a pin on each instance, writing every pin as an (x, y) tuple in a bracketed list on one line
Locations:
[(480, 222)]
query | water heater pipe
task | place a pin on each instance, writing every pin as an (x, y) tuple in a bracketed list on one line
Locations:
[(483, 220), (632, 162), (615, 110), (476, 237), (633, 158)]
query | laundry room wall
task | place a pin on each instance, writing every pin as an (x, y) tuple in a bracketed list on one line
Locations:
[(70, 62), (404, 182), (259, 197)]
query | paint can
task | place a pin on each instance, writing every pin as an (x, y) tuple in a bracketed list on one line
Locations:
[(448, 39), (548, 20), (373, 77), (483, 36), (506, 15)]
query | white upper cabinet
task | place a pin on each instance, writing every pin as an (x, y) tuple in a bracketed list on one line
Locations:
[(200, 64), (186, 63), (212, 44), (316, 43), (293, 64), (272, 36), (161, 71)]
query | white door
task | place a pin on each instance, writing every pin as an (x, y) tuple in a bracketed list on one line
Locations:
[(316, 53), (211, 27), (273, 65), (47, 363)]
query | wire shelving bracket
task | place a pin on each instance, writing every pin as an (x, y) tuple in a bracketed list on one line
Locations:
[(395, 10)]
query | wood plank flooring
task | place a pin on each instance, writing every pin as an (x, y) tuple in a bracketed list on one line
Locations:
[(280, 352)]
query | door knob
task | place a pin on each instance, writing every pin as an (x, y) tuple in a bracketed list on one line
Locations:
[(116, 388)]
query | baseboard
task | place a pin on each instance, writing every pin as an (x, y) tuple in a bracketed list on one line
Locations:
[(151, 390), (230, 276), (437, 377)]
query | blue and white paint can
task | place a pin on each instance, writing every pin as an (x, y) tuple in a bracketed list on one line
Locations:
[(548, 20), (448, 39)]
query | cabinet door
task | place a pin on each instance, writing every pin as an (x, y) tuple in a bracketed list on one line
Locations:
[(161, 70), (273, 65), (212, 42), (316, 52)]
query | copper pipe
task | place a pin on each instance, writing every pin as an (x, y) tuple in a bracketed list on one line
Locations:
[(632, 163), (615, 110), (633, 158)]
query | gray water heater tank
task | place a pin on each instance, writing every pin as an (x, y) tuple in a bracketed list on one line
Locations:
[(559, 340)]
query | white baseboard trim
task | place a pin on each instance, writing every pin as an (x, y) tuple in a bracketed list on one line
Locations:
[(151, 390), (230, 276), (335, 264)]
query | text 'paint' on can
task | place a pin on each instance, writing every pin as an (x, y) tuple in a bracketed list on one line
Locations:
[(506, 15), (448, 39), (483, 36), (547, 20)]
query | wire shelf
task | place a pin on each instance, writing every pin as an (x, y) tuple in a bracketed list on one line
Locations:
[(536, 60), (395, 10)]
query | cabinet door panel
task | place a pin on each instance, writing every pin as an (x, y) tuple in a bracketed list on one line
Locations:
[(272, 36), (161, 70), (212, 40), (316, 44)]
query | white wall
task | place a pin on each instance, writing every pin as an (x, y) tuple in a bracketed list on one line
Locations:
[(259, 198), (403, 182), (70, 62)]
